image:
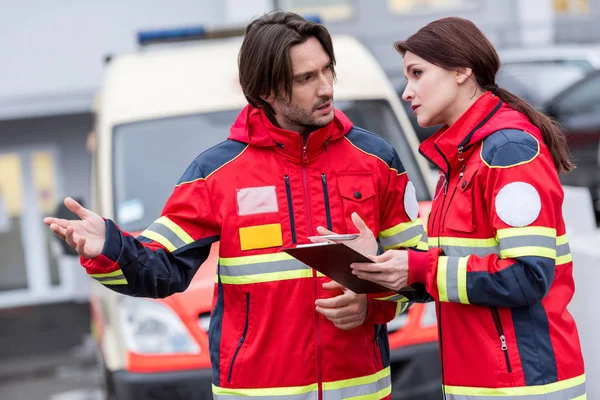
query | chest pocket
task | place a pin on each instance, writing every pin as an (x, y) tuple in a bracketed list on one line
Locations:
[(459, 216), (357, 192)]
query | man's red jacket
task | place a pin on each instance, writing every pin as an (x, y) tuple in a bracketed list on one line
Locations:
[(260, 191)]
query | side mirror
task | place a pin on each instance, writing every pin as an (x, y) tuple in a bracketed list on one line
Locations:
[(64, 213)]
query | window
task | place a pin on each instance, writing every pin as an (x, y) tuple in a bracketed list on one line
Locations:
[(148, 162), (571, 6), (327, 10), (584, 99), (424, 6)]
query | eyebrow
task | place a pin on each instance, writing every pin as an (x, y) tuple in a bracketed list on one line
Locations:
[(305, 73), (410, 67)]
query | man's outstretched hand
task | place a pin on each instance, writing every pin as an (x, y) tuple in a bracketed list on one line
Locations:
[(86, 235)]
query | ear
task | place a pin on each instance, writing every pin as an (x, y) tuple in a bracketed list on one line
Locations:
[(269, 98), (462, 74)]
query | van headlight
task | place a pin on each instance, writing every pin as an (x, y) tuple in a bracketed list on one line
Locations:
[(150, 327)]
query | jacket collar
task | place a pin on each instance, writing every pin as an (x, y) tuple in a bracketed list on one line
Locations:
[(450, 145), (252, 126)]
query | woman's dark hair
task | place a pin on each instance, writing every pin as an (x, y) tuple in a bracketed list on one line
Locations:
[(264, 60), (454, 42)]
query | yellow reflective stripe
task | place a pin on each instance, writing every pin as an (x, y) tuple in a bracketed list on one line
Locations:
[(187, 239), (406, 234), (158, 238), (111, 278), (274, 391), (441, 278), (528, 251), (115, 282), (269, 277), (375, 396), (357, 381), (462, 280), (423, 245), (374, 386), (564, 259), (401, 307), (108, 275), (399, 228), (261, 258), (526, 231), (562, 240), (517, 391)]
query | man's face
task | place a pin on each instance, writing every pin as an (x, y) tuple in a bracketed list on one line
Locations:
[(310, 105)]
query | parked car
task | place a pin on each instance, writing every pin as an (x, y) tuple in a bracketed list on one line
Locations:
[(157, 109), (577, 109), (538, 74)]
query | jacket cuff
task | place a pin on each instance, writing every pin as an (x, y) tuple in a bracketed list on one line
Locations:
[(107, 260), (418, 264)]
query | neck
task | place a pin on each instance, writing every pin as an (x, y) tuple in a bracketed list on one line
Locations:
[(461, 106), (304, 131)]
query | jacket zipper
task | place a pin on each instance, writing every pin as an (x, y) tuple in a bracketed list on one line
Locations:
[(288, 191), (439, 324), (314, 273), (500, 330), (241, 342), (326, 196), (460, 175)]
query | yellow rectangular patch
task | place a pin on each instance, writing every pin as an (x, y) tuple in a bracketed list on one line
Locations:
[(261, 236)]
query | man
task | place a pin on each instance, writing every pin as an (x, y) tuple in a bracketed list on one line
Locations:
[(292, 163)]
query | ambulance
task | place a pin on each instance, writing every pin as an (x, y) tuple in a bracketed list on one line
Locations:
[(156, 110)]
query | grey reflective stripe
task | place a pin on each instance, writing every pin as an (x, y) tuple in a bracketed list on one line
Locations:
[(110, 278), (304, 396), (463, 251), (261, 268), (166, 233), (564, 394), (402, 236), (452, 279), (563, 250), (397, 297), (360, 390), (526, 241)]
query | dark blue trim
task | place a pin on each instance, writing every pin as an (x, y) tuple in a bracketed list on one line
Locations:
[(526, 282), (113, 242), (214, 332), (157, 273), (381, 337), (377, 146), (212, 159), (535, 347), (509, 147)]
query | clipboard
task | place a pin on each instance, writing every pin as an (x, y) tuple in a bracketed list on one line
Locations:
[(333, 260)]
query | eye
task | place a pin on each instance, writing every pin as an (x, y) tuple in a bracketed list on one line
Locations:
[(417, 73)]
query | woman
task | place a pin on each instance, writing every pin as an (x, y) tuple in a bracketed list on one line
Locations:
[(498, 264)]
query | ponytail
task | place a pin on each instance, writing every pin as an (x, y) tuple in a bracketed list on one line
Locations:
[(551, 133)]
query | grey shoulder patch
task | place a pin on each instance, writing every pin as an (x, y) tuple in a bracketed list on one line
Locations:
[(509, 147)]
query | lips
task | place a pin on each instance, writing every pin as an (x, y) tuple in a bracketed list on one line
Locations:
[(324, 106), (414, 107)]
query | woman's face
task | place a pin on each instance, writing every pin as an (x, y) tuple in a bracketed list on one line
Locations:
[(431, 91)]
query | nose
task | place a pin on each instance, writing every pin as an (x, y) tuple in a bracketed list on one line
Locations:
[(325, 87), (408, 93)]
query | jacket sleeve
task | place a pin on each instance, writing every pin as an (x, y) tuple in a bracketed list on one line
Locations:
[(165, 257), (524, 202), (401, 228)]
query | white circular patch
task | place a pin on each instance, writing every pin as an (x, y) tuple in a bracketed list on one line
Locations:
[(518, 204), (411, 205)]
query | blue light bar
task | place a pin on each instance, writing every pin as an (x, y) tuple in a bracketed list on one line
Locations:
[(316, 18), (171, 35)]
